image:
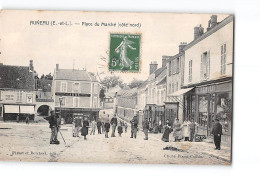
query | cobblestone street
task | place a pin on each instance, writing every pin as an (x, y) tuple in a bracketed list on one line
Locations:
[(31, 143)]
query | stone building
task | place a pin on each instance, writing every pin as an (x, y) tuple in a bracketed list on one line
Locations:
[(17, 92), (75, 92)]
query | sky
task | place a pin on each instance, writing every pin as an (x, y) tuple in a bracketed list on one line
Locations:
[(83, 46)]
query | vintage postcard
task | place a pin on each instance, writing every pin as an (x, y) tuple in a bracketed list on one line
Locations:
[(116, 87)]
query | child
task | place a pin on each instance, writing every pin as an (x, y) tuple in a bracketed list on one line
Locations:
[(120, 130)]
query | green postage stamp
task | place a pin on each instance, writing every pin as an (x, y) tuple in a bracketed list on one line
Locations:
[(124, 53)]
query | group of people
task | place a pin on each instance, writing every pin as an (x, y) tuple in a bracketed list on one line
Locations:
[(187, 131)]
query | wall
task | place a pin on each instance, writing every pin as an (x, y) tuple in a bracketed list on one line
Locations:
[(213, 44), (10, 96)]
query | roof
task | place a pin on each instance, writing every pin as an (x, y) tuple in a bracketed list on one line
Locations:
[(163, 81), (75, 75), (175, 56), (209, 32), (127, 93), (16, 77), (159, 71)]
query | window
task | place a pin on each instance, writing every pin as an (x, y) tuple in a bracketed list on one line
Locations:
[(95, 102), (223, 59), (172, 87), (63, 87), (177, 88), (205, 65), (19, 96), (29, 98), (75, 101), (76, 88), (190, 70), (170, 68)]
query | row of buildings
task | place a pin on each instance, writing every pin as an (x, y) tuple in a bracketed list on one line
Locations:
[(196, 83), (22, 93)]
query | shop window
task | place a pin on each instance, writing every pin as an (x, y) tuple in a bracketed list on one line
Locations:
[(76, 102), (203, 110), (223, 59), (224, 111)]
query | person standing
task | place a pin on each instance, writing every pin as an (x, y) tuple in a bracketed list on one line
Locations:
[(177, 134), (84, 129), (217, 132), (186, 130), (78, 125), (113, 124), (193, 126), (126, 127), (27, 119), (99, 124), (120, 130), (54, 128), (134, 127), (107, 127), (167, 130), (93, 127), (146, 128)]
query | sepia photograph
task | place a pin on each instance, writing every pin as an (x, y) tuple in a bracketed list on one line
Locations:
[(116, 87)]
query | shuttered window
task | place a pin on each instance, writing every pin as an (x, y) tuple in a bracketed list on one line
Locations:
[(223, 59), (190, 71)]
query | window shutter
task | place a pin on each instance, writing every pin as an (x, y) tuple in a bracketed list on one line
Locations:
[(208, 64), (201, 67)]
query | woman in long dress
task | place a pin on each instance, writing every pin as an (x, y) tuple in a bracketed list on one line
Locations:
[(186, 130), (177, 134), (167, 131), (84, 129)]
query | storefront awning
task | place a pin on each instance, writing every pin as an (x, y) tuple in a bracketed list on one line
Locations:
[(27, 109), (11, 109), (180, 92)]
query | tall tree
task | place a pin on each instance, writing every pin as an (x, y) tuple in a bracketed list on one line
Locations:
[(135, 83), (112, 81)]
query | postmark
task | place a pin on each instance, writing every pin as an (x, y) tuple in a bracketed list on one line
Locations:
[(124, 52)]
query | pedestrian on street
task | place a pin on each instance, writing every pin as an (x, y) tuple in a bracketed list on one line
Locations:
[(107, 127), (93, 127), (186, 130), (193, 126), (54, 128), (167, 131), (217, 132), (120, 130), (146, 128), (17, 118), (84, 129), (134, 127), (78, 125), (177, 134), (99, 124), (113, 124), (27, 120), (126, 127)]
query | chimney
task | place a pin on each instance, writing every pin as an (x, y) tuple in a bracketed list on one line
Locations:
[(198, 31), (57, 67), (164, 60), (181, 46), (31, 66), (153, 66), (212, 22)]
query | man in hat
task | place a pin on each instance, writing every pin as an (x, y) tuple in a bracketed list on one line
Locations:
[(146, 128), (217, 132), (134, 127), (54, 128), (113, 124)]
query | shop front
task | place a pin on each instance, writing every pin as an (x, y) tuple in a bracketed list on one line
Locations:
[(18, 112), (171, 112), (67, 114), (209, 102)]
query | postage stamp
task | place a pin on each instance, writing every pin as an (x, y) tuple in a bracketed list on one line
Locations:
[(124, 52)]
